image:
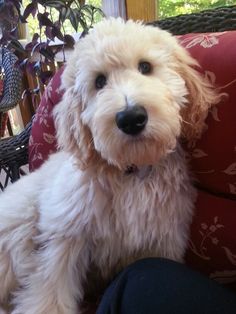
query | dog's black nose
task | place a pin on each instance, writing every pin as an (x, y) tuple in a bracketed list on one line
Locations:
[(132, 120)]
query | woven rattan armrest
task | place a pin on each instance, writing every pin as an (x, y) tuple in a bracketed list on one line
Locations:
[(216, 20), (13, 155)]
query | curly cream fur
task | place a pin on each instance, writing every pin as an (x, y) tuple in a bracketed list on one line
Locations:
[(81, 211)]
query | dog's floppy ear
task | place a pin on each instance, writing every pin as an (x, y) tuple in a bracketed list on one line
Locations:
[(201, 95), (72, 135)]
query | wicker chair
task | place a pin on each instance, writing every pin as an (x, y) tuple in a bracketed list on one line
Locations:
[(13, 152), (11, 77), (12, 80), (14, 155)]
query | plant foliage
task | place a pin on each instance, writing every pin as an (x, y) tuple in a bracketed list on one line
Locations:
[(50, 26)]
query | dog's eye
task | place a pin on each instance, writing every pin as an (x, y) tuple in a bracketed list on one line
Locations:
[(144, 67), (100, 81)]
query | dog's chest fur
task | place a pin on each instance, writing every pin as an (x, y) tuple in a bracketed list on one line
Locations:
[(146, 215), (123, 217)]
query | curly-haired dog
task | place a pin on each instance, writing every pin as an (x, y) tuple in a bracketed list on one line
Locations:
[(119, 190)]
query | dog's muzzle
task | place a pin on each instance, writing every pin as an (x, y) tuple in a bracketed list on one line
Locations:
[(132, 120)]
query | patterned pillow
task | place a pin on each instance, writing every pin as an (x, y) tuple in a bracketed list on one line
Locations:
[(212, 247), (214, 156), (42, 141), (212, 244)]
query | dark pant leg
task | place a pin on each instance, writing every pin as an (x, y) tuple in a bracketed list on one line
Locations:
[(161, 286)]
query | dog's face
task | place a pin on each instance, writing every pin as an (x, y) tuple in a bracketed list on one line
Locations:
[(128, 88), (132, 95)]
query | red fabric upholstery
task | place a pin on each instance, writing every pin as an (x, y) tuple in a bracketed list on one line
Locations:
[(42, 141), (212, 247), (214, 156), (212, 244)]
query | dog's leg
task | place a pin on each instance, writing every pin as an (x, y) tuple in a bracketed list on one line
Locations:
[(19, 211), (17, 227), (56, 285), (15, 256)]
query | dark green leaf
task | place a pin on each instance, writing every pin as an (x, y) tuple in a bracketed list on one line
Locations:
[(82, 22), (64, 13), (57, 4), (73, 19)]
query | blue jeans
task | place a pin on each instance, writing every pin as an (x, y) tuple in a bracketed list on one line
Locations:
[(161, 286)]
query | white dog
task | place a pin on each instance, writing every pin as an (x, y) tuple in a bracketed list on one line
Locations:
[(119, 190)]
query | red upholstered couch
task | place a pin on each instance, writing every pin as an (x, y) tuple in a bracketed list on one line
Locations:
[(212, 246)]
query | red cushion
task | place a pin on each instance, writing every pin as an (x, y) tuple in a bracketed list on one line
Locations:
[(212, 248), (42, 141), (214, 156), (212, 245)]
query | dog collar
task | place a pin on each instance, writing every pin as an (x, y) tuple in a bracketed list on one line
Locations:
[(141, 172)]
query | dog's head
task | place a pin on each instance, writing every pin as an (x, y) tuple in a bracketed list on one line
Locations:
[(130, 91)]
